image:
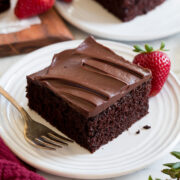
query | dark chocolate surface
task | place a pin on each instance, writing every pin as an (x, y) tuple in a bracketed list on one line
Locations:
[(4, 5), (91, 77)]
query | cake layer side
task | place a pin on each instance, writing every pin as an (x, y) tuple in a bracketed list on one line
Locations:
[(128, 9), (95, 131)]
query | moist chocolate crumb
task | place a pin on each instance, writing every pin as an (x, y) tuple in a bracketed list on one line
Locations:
[(138, 132), (146, 127)]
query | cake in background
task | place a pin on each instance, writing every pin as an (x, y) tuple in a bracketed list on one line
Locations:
[(126, 10), (4, 5)]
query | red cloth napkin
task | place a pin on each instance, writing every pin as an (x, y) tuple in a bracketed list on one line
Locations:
[(11, 168)]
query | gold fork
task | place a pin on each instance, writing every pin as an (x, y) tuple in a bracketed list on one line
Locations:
[(35, 133)]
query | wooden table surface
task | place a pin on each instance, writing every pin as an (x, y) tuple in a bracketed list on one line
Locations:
[(52, 29)]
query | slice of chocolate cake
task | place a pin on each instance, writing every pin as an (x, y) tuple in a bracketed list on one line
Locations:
[(4, 5), (129, 9), (90, 93)]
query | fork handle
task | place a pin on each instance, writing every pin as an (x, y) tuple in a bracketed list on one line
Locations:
[(13, 101)]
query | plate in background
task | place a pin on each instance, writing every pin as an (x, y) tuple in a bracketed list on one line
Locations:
[(90, 17)]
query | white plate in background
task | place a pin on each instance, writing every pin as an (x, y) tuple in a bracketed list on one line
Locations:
[(90, 17)]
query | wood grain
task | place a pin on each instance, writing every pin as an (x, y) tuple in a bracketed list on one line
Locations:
[(51, 30)]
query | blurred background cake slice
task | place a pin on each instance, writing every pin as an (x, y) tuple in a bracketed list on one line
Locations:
[(4, 5), (129, 9)]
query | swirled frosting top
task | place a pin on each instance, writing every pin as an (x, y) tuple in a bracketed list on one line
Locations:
[(91, 77)]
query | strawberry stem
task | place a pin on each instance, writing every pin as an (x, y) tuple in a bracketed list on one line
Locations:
[(162, 45), (137, 49), (149, 48)]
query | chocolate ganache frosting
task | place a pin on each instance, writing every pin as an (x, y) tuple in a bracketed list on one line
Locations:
[(91, 77)]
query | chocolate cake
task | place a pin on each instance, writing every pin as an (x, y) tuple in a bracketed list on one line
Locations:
[(4, 5), (90, 93), (129, 9)]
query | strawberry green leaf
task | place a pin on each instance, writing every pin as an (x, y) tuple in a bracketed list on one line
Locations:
[(162, 46), (137, 49), (148, 48)]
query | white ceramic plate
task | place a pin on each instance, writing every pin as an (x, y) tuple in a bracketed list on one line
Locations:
[(89, 16), (126, 154)]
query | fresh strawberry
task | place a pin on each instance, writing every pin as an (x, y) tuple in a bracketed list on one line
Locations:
[(28, 8), (157, 61)]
